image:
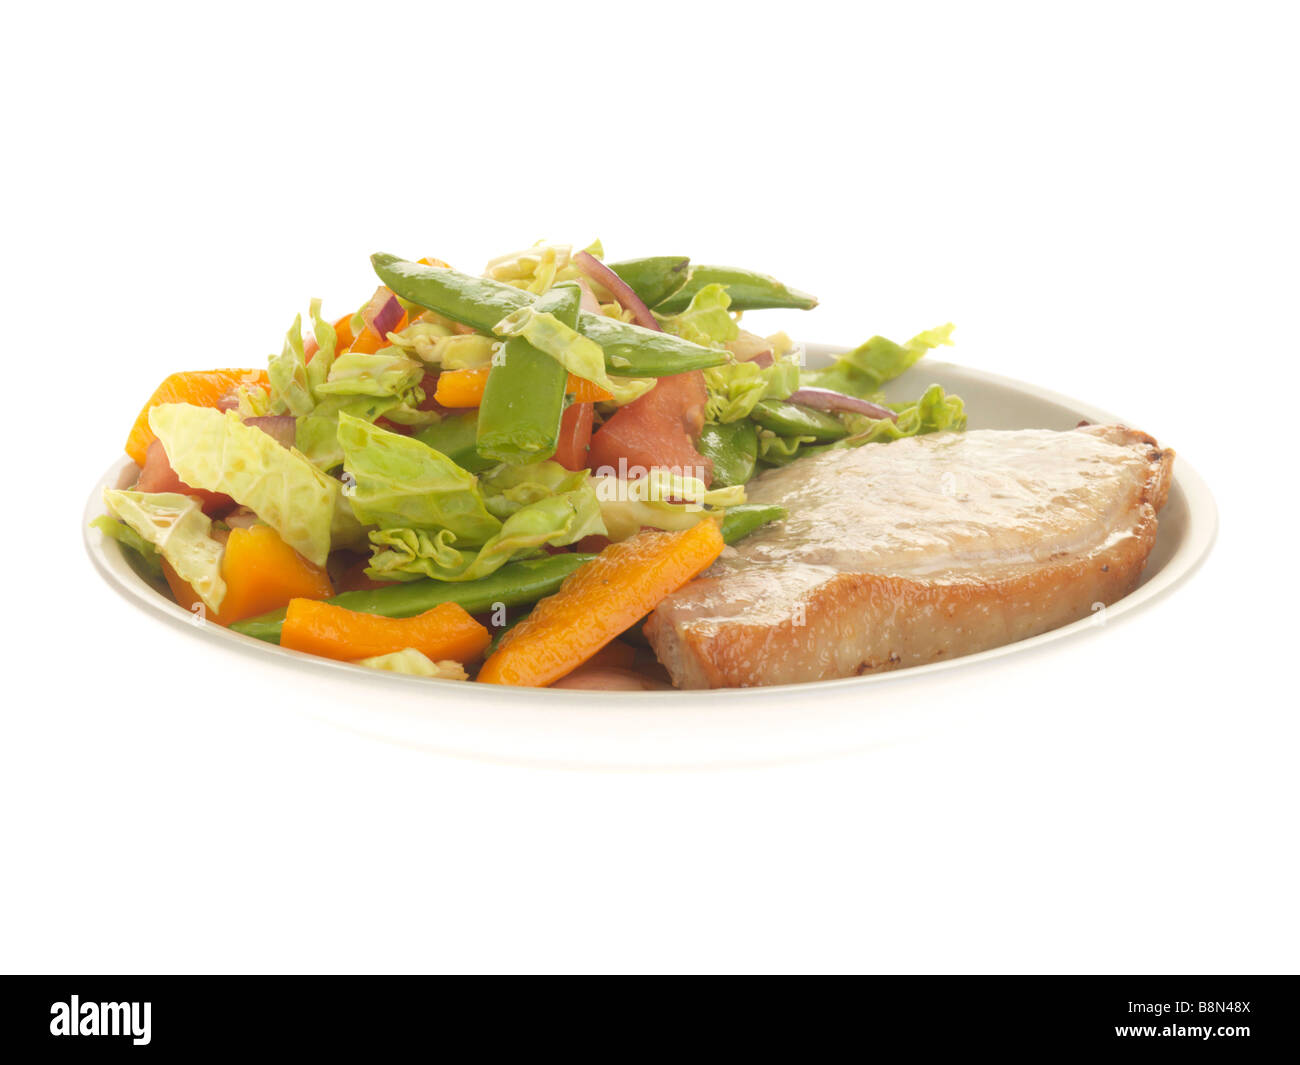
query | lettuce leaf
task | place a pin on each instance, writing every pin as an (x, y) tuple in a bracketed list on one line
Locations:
[(387, 372), (706, 319), (934, 412), (547, 505), (317, 434), (415, 664), (294, 381), (215, 451), (578, 354), (398, 482), (660, 500), (734, 388), (181, 532), (863, 370), (146, 552)]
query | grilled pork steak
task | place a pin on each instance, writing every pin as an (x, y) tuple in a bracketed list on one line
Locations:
[(926, 548)]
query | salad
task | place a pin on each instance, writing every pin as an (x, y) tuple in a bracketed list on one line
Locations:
[(494, 476)]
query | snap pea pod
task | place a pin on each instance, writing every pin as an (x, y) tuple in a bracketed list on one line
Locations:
[(455, 436), (790, 419), (656, 278), (739, 521), (733, 449), (479, 302), (749, 291), (514, 584), (519, 418)]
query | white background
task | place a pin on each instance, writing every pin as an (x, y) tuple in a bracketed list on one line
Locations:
[(1103, 200)]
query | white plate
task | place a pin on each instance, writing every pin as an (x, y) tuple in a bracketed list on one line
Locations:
[(659, 729)]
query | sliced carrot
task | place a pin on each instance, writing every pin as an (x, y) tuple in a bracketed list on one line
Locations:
[(464, 388), (445, 632), (261, 572), (597, 602), (203, 388)]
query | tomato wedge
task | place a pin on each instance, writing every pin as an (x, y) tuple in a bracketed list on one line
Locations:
[(659, 429)]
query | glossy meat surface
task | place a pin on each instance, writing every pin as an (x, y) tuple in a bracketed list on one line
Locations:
[(898, 554)]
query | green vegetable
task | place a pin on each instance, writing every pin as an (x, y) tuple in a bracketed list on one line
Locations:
[(455, 436), (293, 379), (414, 664), (749, 291), (629, 350), (519, 418), (317, 433), (735, 388), (656, 278), (863, 370), (515, 584), (563, 513), (215, 451), (145, 554), (934, 412), (740, 521), (399, 482), (473, 301), (628, 506), (776, 450), (181, 532), (733, 449), (705, 320), (571, 350), (387, 372), (789, 419)]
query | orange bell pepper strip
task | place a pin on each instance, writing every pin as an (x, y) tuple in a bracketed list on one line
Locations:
[(464, 388), (598, 601), (445, 632), (261, 572), (203, 388)]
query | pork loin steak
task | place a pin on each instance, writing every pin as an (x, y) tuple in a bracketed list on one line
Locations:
[(927, 548)]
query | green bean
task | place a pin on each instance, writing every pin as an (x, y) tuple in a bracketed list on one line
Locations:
[(733, 449), (749, 291), (630, 351), (514, 584), (654, 279), (519, 419), (473, 301), (739, 521), (790, 419), (455, 437)]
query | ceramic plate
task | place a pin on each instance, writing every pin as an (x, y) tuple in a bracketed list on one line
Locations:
[(655, 729)]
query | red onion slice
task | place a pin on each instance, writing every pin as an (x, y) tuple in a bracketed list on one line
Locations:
[(825, 399), (589, 301), (588, 264), (387, 317), (282, 428)]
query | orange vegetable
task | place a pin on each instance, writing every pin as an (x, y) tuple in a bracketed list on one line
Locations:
[(445, 632), (261, 572), (597, 602), (464, 388), (203, 388)]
